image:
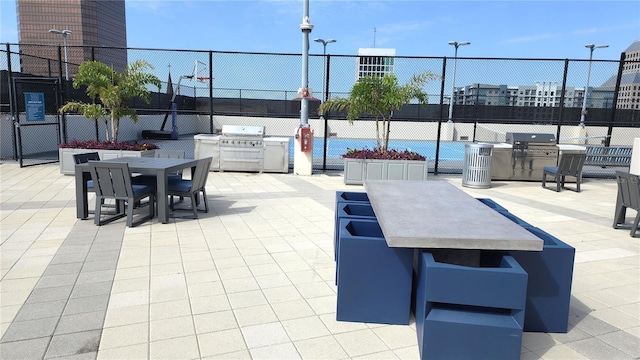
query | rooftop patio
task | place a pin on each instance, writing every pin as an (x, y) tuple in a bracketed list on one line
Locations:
[(254, 277)]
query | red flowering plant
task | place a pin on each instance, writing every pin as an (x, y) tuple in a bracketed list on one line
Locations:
[(382, 155), (108, 145)]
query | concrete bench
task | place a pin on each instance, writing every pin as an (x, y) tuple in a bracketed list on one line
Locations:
[(608, 156)]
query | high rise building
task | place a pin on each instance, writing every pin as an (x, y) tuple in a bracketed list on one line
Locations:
[(629, 92), (91, 22), (374, 62)]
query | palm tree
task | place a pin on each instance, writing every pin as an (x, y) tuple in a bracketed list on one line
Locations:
[(379, 97), (113, 90), (90, 111)]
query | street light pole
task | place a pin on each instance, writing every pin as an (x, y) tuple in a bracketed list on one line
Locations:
[(455, 64), (64, 34), (324, 69), (583, 113)]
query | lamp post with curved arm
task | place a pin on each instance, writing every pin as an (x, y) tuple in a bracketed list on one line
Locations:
[(455, 64), (583, 113), (64, 34), (324, 69)]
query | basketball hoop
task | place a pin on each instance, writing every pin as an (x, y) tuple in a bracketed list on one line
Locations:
[(201, 72)]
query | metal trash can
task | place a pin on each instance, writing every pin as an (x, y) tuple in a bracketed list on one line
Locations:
[(476, 171)]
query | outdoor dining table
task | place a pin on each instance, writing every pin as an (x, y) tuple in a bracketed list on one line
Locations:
[(161, 167), (438, 215)]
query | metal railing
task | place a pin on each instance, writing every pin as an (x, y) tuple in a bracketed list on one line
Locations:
[(497, 92)]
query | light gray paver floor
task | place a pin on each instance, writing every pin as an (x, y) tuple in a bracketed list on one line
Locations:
[(254, 278)]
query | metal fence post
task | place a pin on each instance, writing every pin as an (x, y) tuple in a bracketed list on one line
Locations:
[(444, 71), (563, 91), (13, 107), (607, 140), (326, 116), (93, 58), (211, 92)]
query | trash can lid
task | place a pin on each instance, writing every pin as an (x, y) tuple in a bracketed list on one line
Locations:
[(478, 145)]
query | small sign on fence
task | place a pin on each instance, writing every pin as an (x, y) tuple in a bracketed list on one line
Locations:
[(34, 104)]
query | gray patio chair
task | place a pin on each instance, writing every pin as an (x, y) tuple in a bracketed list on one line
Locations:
[(147, 179), (628, 197), (113, 181), (84, 158), (192, 188), (570, 165)]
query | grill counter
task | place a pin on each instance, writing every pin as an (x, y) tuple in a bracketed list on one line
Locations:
[(524, 156)]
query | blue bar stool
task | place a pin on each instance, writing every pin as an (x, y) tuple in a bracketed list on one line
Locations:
[(549, 288), (374, 280), (465, 312)]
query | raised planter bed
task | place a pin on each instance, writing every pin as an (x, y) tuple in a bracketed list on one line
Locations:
[(358, 170), (67, 165)]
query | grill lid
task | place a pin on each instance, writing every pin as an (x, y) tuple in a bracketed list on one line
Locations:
[(530, 138), (242, 130)]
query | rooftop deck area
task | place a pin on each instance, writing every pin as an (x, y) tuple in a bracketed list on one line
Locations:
[(254, 277)]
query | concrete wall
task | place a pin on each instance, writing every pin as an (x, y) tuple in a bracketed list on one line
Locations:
[(78, 127)]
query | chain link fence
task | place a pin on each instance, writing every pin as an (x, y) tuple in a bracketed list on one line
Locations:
[(491, 96)]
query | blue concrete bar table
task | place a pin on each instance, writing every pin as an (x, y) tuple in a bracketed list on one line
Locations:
[(438, 215), (468, 288)]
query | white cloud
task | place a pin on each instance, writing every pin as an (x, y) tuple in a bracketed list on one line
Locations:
[(531, 38), (597, 30)]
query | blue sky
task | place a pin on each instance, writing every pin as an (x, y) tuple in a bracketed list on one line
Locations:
[(512, 29), (541, 29)]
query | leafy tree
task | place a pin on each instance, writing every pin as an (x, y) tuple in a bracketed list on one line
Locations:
[(378, 97), (113, 90)]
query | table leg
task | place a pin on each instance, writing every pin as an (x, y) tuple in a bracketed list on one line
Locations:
[(161, 196), (82, 201)]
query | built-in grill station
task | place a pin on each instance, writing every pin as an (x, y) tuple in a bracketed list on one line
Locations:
[(528, 154), (242, 148)]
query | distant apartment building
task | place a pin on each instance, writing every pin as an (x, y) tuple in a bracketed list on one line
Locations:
[(375, 62), (542, 94), (91, 22), (548, 93)]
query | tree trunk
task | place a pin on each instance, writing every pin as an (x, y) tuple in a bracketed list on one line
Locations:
[(382, 145), (386, 138), (106, 130), (378, 134), (114, 129)]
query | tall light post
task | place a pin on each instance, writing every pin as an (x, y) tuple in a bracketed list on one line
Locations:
[(591, 47), (64, 34), (324, 69), (455, 64)]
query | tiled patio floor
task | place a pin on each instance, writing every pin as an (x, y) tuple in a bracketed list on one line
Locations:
[(254, 278)]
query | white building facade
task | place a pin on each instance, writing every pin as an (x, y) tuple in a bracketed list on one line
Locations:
[(375, 62)]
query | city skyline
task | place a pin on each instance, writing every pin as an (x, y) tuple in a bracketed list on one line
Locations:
[(509, 29)]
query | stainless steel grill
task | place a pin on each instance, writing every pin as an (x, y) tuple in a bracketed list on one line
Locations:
[(242, 148), (530, 153)]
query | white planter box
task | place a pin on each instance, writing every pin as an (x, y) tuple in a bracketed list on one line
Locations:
[(358, 170), (68, 166)]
